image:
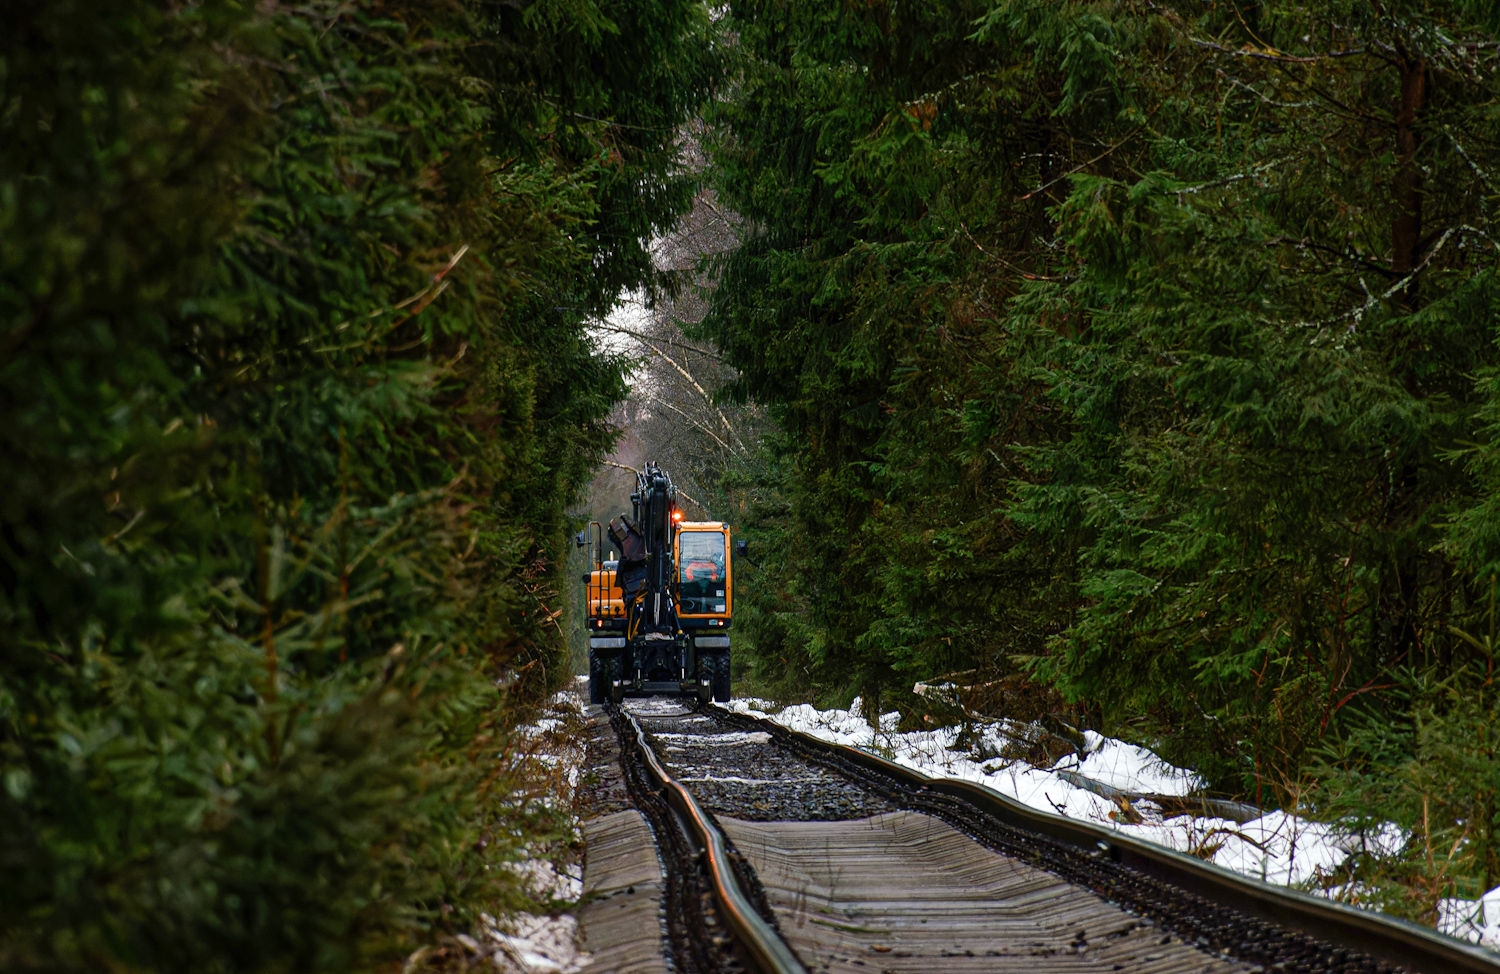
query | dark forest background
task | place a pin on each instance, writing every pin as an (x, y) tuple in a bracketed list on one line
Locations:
[(295, 390), (1133, 364)]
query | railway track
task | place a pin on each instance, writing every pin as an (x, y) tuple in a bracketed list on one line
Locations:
[(784, 854)]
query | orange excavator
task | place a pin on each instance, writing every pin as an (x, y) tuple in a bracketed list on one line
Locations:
[(659, 607)]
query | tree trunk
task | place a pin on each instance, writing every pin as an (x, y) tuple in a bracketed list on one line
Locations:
[(1406, 228)]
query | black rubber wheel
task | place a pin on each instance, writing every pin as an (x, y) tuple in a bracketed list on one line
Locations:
[(721, 676), (598, 679), (703, 683)]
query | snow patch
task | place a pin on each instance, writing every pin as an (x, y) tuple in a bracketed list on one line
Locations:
[(658, 707), (1131, 768), (732, 739), (539, 945), (528, 943), (1477, 921)]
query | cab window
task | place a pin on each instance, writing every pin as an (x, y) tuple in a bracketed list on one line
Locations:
[(700, 560)]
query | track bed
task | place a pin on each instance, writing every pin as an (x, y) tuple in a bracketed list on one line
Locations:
[(906, 892), (858, 868)]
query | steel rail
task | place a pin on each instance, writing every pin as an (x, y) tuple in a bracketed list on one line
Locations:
[(764, 948), (1421, 949)]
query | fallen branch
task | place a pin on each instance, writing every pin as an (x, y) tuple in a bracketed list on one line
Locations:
[(1239, 812)]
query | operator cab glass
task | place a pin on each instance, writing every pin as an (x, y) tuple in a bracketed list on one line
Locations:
[(702, 578)]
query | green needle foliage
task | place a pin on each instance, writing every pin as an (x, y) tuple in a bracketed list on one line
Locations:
[(294, 393), (1147, 350)]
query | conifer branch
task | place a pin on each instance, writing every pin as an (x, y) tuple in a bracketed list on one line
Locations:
[(1371, 299), (1084, 165), (1000, 260)]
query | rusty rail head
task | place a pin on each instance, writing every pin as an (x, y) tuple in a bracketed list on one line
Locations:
[(1420, 949), (763, 947)]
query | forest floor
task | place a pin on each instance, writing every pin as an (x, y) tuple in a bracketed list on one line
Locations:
[(548, 755)]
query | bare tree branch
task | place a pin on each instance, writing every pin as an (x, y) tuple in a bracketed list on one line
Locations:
[(701, 391), (693, 502), (652, 338), (697, 425), (1271, 55), (685, 495)]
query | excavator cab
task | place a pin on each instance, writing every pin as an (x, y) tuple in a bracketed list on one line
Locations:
[(659, 607), (702, 557)]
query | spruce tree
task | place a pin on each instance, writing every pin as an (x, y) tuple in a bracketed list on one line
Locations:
[(296, 391)]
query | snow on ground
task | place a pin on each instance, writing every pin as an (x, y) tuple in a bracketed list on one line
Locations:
[(1276, 848), (526, 943), (1132, 768), (732, 739), (1477, 921)]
